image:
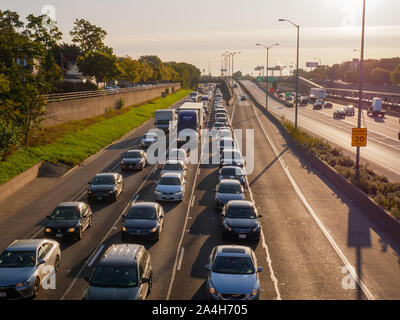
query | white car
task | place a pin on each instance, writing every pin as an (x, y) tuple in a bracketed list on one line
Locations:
[(178, 154), (224, 133), (171, 187), (174, 166)]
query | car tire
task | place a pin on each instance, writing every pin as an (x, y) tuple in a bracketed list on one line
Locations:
[(36, 287), (57, 263)]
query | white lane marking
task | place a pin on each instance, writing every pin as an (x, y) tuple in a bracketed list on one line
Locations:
[(105, 238), (265, 246), (180, 259), (192, 205), (135, 198), (315, 217), (96, 255), (183, 230)]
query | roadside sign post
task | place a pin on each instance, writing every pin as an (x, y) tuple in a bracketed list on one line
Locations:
[(359, 137)]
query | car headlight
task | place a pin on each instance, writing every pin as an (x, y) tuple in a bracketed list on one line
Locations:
[(179, 193), (23, 284), (254, 292), (124, 229), (71, 230), (157, 192), (212, 290), (48, 230), (227, 227), (89, 191), (154, 229)]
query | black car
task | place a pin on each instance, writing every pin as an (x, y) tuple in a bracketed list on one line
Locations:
[(106, 186), (134, 160), (318, 105), (68, 221), (230, 172), (328, 105), (243, 98), (144, 221), (349, 110), (339, 114), (240, 220)]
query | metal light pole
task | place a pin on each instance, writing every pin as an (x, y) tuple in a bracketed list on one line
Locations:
[(297, 68), (360, 91), (266, 80)]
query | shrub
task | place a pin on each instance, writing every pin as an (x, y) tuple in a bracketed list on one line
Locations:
[(119, 104)]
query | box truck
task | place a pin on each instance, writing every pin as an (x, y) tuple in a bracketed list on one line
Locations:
[(165, 120)]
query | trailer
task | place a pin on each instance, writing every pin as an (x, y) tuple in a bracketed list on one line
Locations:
[(376, 109)]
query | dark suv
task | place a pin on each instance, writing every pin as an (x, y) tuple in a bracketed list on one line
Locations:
[(123, 273)]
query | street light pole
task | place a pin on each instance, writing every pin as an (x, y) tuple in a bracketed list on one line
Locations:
[(233, 55), (360, 91), (297, 69), (266, 80)]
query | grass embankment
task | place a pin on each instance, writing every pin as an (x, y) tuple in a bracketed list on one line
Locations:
[(385, 193), (73, 142)]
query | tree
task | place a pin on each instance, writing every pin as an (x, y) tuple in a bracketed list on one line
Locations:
[(88, 37), (43, 30), (380, 76), (100, 65), (395, 75), (237, 74), (130, 69)]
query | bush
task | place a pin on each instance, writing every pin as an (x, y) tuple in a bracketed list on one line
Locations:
[(10, 138), (119, 104)]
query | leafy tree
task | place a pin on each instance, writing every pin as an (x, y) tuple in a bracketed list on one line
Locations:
[(98, 64), (380, 76), (395, 75), (43, 30), (130, 69), (88, 36)]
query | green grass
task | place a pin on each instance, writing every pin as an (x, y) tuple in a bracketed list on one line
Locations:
[(78, 144), (379, 188)]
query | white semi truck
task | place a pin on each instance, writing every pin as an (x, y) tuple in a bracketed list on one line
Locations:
[(165, 120), (190, 116), (376, 109), (317, 94)]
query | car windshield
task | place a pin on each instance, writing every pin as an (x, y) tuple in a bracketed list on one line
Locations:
[(231, 172), (100, 180), (142, 213), (241, 213), (115, 277), (233, 265), (231, 155), (17, 259), (133, 155), (230, 188), (150, 136), (64, 213), (173, 167), (170, 181)]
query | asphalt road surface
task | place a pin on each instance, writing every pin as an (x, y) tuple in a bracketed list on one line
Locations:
[(315, 244)]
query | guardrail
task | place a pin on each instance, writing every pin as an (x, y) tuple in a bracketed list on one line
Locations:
[(99, 93)]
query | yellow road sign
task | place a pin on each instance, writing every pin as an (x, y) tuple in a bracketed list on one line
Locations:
[(359, 137)]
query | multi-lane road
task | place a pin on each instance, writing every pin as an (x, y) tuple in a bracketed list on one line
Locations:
[(383, 149), (315, 244)]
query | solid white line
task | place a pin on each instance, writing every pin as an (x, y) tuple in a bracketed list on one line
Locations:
[(315, 217), (192, 205), (265, 246), (96, 255), (180, 259), (184, 229)]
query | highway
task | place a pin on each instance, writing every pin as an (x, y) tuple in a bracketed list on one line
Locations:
[(383, 149), (313, 237)]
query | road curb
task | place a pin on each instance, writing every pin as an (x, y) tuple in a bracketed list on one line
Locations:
[(376, 212)]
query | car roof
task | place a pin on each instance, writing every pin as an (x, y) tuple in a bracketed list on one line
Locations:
[(120, 254), (70, 204), (172, 175), (144, 204), (230, 181), (26, 245), (233, 251), (241, 203)]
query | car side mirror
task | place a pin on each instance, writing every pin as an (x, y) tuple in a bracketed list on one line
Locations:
[(144, 280), (89, 183), (41, 261), (260, 215), (259, 270), (207, 267), (123, 217)]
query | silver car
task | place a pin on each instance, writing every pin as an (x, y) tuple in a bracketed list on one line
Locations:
[(174, 166), (27, 264), (123, 273), (233, 274), (171, 187), (149, 139)]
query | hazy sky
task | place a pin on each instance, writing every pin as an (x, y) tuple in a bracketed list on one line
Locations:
[(200, 31)]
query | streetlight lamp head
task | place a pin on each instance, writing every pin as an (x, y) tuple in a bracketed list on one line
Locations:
[(280, 20), (258, 44)]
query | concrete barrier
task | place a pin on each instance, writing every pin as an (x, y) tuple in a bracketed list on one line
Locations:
[(376, 212), (63, 111), (16, 183)]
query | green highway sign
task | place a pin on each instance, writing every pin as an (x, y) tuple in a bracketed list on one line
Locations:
[(271, 79)]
